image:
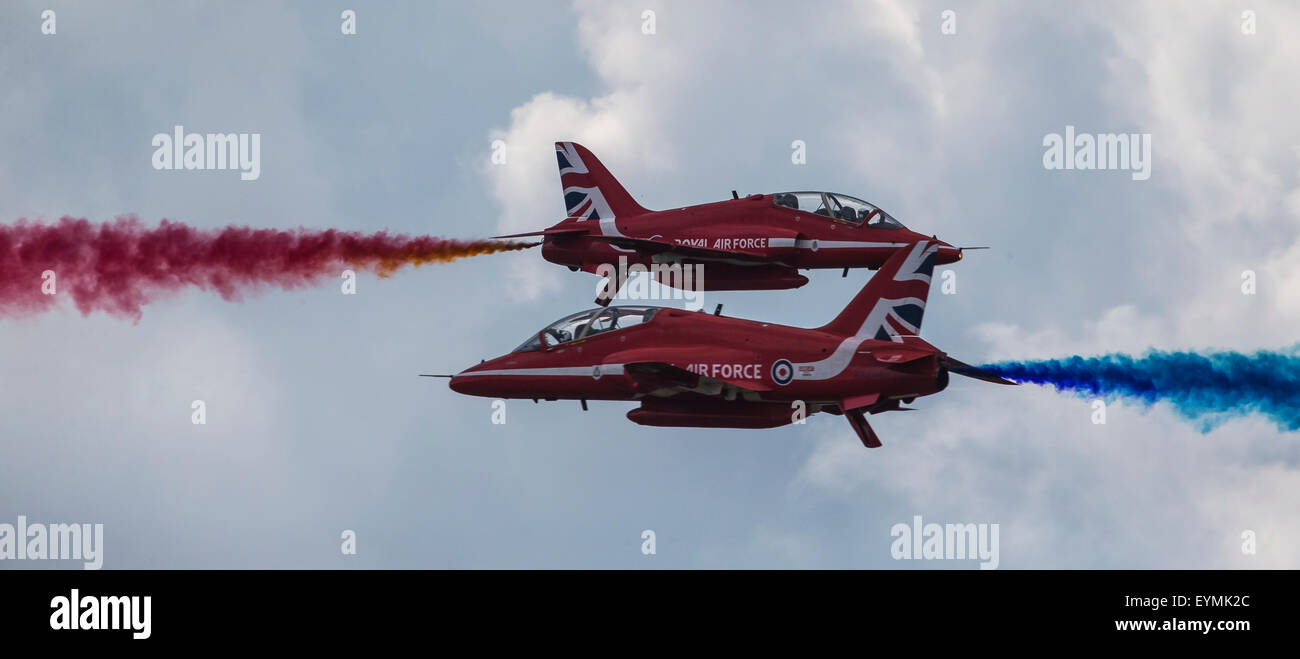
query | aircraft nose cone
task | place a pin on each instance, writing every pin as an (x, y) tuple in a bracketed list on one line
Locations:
[(478, 380), (459, 384), (465, 382), (947, 253), (470, 385)]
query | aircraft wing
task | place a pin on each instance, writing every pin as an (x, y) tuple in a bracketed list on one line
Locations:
[(721, 242), (661, 378), (707, 370), (656, 246), (742, 244)]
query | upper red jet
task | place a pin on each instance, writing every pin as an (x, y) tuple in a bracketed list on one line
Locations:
[(756, 242), (700, 370)]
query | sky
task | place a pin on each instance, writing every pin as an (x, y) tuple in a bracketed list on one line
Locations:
[(317, 422)]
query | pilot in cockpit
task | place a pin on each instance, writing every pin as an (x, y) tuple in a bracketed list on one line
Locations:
[(836, 206)]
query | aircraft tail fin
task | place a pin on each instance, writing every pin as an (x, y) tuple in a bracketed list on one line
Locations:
[(891, 305), (590, 191)]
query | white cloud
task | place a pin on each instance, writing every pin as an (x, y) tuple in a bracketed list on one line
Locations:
[(1143, 490), (527, 185)]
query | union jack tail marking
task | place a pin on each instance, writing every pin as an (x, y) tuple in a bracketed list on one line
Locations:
[(590, 191), (892, 304)]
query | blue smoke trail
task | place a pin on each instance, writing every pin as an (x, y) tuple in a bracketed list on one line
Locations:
[(1207, 388)]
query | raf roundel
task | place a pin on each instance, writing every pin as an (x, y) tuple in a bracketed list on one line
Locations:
[(782, 372)]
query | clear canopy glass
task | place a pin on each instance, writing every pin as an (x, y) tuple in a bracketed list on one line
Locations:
[(586, 324), (839, 207)]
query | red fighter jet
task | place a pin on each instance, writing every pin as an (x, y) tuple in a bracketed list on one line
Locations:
[(751, 243), (699, 370)]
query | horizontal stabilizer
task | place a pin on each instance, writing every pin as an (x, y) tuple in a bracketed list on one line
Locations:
[(899, 355), (547, 232)]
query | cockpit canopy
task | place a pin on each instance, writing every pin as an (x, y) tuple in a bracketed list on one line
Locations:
[(586, 324), (839, 207)]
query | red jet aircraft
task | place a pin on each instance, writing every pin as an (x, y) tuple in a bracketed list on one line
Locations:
[(699, 370), (758, 242)]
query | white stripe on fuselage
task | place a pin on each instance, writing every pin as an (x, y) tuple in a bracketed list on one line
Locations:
[(821, 244), (804, 243), (585, 371), (823, 369), (833, 365), (609, 228)]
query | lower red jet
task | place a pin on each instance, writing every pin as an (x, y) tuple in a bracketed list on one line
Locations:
[(708, 371)]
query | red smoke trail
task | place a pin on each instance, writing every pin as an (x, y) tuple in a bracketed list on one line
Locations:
[(119, 266)]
